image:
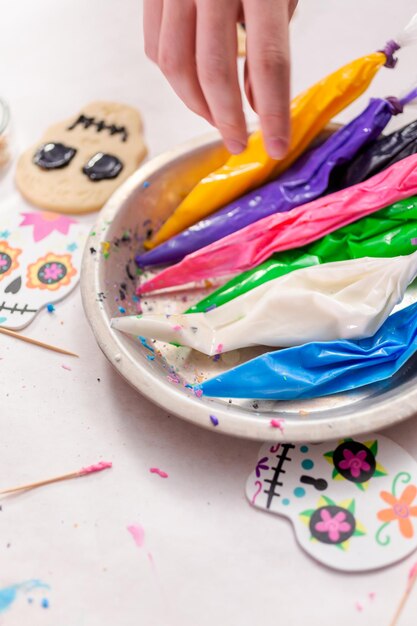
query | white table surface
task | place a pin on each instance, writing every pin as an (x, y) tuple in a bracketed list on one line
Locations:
[(216, 559)]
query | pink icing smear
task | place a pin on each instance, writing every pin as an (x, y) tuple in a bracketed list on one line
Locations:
[(156, 470), (138, 534), (412, 574), (98, 467)]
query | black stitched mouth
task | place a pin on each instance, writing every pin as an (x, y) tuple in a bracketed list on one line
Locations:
[(16, 309), (282, 457)]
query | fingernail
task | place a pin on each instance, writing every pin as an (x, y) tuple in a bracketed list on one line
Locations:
[(235, 147), (277, 148)]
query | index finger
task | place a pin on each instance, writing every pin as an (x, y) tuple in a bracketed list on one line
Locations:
[(268, 60)]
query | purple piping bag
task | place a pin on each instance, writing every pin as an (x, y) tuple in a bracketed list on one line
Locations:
[(304, 181)]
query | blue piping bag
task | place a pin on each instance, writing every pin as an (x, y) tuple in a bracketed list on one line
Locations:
[(303, 182), (322, 368)]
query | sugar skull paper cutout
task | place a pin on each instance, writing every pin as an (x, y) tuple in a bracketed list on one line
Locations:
[(353, 505), (40, 260), (78, 163)]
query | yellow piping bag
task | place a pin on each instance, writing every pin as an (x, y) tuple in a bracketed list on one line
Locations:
[(310, 112)]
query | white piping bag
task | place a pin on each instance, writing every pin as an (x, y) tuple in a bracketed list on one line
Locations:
[(341, 300)]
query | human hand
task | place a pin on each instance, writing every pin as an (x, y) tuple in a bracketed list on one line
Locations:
[(194, 42)]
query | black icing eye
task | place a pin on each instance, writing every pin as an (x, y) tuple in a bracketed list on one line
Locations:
[(102, 166), (52, 156)]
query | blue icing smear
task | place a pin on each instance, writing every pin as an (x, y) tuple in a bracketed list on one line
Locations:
[(144, 343), (7, 597), (8, 594)]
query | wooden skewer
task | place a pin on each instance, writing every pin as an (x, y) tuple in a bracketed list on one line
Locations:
[(35, 342), (412, 577), (41, 483), (82, 472)]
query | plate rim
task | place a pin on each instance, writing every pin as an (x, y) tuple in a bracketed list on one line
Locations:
[(233, 420)]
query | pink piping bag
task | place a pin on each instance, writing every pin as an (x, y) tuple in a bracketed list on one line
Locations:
[(252, 245)]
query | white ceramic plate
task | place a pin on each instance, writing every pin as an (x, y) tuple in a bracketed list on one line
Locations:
[(108, 283)]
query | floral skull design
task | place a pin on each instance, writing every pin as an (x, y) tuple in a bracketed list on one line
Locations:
[(40, 258), (353, 504)]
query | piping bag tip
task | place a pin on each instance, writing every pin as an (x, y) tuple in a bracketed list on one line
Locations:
[(148, 244)]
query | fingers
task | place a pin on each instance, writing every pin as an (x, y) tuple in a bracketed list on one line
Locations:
[(152, 16), (248, 87), (292, 7), (176, 54), (216, 45), (269, 69)]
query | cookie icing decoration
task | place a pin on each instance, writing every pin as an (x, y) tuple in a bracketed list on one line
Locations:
[(103, 166), (78, 163), (53, 156)]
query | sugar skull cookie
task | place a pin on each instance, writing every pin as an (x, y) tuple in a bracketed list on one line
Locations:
[(352, 503), (78, 163)]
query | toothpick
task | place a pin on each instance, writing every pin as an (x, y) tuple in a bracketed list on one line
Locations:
[(412, 577), (35, 342), (98, 467)]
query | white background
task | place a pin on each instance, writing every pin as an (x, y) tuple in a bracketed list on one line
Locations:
[(216, 559)]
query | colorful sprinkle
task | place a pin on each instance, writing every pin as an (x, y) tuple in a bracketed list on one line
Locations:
[(50, 308), (214, 420), (66, 367), (145, 344), (45, 603), (122, 309), (156, 470), (177, 328), (150, 357), (97, 467), (146, 184), (105, 249), (138, 534), (278, 423), (173, 378)]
